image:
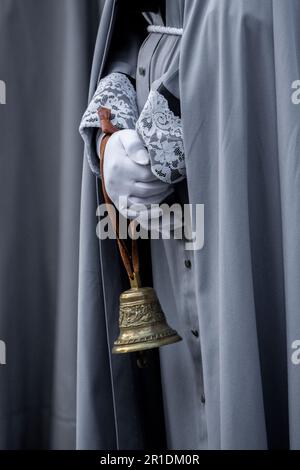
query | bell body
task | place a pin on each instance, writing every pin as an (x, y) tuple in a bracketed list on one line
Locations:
[(142, 322)]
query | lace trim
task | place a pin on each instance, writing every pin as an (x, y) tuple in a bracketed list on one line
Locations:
[(116, 93), (162, 133)]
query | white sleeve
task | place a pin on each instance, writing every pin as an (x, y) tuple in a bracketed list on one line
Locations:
[(116, 93)]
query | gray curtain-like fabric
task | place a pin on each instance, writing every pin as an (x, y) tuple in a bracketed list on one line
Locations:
[(242, 157), (46, 50)]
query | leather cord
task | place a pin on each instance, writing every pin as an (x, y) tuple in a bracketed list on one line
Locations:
[(130, 261)]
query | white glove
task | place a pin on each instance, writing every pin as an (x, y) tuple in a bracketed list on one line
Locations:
[(127, 174)]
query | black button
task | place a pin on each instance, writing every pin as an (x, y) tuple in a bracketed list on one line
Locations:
[(203, 399), (142, 71), (195, 333), (188, 264)]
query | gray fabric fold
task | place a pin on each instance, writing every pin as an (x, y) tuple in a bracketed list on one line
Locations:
[(46, 49)]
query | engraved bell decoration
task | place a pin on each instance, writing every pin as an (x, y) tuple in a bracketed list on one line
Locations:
[(142, 323)]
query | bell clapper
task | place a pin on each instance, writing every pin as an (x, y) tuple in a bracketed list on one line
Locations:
[(142, 360)]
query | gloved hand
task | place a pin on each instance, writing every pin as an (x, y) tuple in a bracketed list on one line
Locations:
[(127, 174)]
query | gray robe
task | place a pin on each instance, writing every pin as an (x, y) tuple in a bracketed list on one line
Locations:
[(241, 135)]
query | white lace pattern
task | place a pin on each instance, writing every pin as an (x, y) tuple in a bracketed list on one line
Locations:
[(116, 93), (162, 133)]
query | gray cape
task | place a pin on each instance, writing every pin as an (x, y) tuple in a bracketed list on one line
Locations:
[(241, 136)]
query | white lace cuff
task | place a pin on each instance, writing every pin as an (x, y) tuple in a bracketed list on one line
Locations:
[(161, 130), (116, 93)]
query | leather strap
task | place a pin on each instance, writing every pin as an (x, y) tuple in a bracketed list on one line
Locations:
[(130, 261)]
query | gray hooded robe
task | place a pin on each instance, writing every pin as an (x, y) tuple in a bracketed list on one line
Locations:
[(233, 382)]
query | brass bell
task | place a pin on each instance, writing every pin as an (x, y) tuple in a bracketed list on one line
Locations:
[(142, 323)]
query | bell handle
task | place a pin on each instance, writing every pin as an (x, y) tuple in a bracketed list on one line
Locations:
[(135, 282), (130, 261)]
